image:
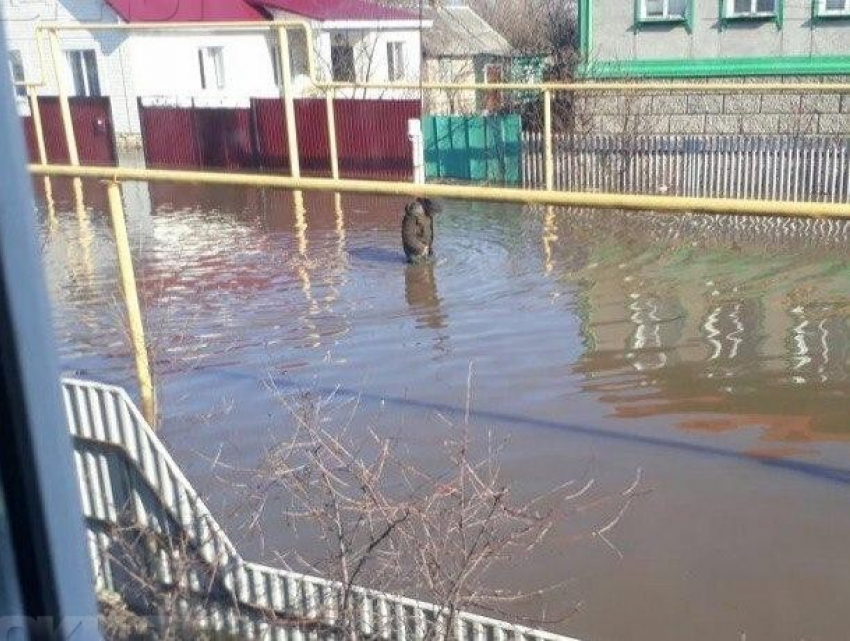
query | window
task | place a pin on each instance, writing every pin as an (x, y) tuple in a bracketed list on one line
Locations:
[(83, 63), (395, 61), (16, 66), (298, 56), (750, 8), (445, 69), (833, 7), (211, 64), (342, 61), (663, 10)]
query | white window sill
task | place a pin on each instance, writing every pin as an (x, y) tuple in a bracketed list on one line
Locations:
[(761, 15), (663, 19)]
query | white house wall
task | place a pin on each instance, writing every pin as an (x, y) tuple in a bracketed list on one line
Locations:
[(163, 65), (369, 39), (142, 64), (167, 67), (114, 61)]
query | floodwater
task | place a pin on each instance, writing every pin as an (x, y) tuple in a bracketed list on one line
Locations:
[(710, 354)]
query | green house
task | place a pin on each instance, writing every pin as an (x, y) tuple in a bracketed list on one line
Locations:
[(712, 41), (714, 38)]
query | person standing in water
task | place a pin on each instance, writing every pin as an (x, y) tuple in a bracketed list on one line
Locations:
[(417, 230)]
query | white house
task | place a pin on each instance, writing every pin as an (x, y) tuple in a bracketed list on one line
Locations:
[(125, 66), (462, 47), (354, 40)]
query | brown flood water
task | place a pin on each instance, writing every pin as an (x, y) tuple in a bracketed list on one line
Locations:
[(710, 354)]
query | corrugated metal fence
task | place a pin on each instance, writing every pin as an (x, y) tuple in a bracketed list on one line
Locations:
[(371, 136), (126, 475), (732, 166)]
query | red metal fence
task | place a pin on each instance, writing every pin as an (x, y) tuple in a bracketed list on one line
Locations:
[(371, 137), (170, 137), (92, 119)]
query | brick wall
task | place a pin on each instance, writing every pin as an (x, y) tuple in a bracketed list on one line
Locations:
[(715, 113)]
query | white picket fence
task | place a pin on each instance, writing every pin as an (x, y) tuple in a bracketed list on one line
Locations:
[(788, 168), (125, 472)]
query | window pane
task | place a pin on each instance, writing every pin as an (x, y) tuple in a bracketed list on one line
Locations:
[(91, 72), (678, 8), (765, 6), (16, 64), (218, 66), (654, 8), (835, 5), (342, 63), (395, 60), (445, 69), (298, 53), (75, 60)]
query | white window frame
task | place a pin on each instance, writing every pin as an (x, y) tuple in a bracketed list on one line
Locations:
[(824, 11), (16, 63), (752, 13), (666, 17), (88, 89), (275, 54), (396, 62), (212, 70)]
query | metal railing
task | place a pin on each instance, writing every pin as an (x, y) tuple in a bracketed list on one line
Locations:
[(126, 474)]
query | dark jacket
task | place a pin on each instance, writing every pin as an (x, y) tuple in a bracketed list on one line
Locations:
[(417, 231)]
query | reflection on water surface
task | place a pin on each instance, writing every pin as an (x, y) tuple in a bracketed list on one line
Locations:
[(710, 352)]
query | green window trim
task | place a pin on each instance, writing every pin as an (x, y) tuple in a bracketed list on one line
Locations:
[(777, 16), (717, 67), (585, 19), (830, 65), (819, 14), (642, 22)]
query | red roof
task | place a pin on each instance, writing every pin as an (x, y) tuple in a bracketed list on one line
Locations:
[(336, 9), (185, 10)]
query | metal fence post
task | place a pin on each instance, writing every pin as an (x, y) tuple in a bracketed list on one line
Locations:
[(38, 130), (131, 303), (548, 160), (414, 134)]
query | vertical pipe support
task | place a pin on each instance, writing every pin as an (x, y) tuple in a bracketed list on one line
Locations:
[(131, 303), (35, 111), (329, 108), (549, 164), (288, 101), (65, 111), (64, 105), (38, 129)]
